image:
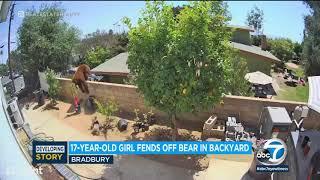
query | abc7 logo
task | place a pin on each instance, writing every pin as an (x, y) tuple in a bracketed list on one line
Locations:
[(274, 152)]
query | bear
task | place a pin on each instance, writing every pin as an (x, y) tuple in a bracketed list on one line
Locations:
[(81, 76)]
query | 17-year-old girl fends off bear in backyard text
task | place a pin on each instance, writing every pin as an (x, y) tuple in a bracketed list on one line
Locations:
[(81, 76)]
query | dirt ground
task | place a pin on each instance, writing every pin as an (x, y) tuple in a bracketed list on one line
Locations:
[(63, 125)]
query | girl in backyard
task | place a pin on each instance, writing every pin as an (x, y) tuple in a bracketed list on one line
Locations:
[(77, 104)]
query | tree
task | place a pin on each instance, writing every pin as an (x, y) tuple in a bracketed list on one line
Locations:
[(256, 40), (16, 61), (297, 49), (177, 9), (54, 85), (311, 43), (45, 40), (116, 43), (255, 19), (4, 69), (235, 83), (180, 64), (97, 56), (107, 110), (282, 48)]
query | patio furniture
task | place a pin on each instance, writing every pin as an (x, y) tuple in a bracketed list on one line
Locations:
[(291, 81), (260, 92), (258, 78)]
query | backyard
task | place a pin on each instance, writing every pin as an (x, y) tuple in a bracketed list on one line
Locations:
[(61, 124), (298, 93)]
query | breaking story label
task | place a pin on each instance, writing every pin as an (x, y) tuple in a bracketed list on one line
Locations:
[(158, 147), (49, 152)]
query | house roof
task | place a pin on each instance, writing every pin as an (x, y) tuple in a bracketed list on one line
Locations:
[(118, 64), (114, 66), (256, 51), (246, 28)]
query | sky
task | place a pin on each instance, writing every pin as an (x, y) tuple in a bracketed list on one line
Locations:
[(281, 18)]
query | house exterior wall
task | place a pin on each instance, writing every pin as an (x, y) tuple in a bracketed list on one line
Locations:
[(256, 63), (114, 79), (241, 36), (247, 109)]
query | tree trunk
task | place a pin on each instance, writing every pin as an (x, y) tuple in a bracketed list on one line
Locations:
[(174, 126)]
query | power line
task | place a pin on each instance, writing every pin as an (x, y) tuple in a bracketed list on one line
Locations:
[(9, 42)]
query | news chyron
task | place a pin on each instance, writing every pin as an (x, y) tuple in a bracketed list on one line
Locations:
[(271, 156), (101, 152)]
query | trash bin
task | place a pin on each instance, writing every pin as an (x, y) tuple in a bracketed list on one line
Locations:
[(39, 97), (122, 124)]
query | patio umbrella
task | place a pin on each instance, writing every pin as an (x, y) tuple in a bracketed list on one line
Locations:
[(258, 78), (314, 93)]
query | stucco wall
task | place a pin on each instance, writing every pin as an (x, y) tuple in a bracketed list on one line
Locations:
[(256, 63), (247, 109), (241, 36)]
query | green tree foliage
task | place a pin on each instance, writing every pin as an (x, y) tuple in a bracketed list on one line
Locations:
[(297, 49), (4, 69), (311, 43), (177, 9), (15, 59), (255, 19), (107, 109), (116, 43), (235, 83), (180, 63), (282, 48), (96, 56), (45, 40), (256, 40), (54, 85)]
